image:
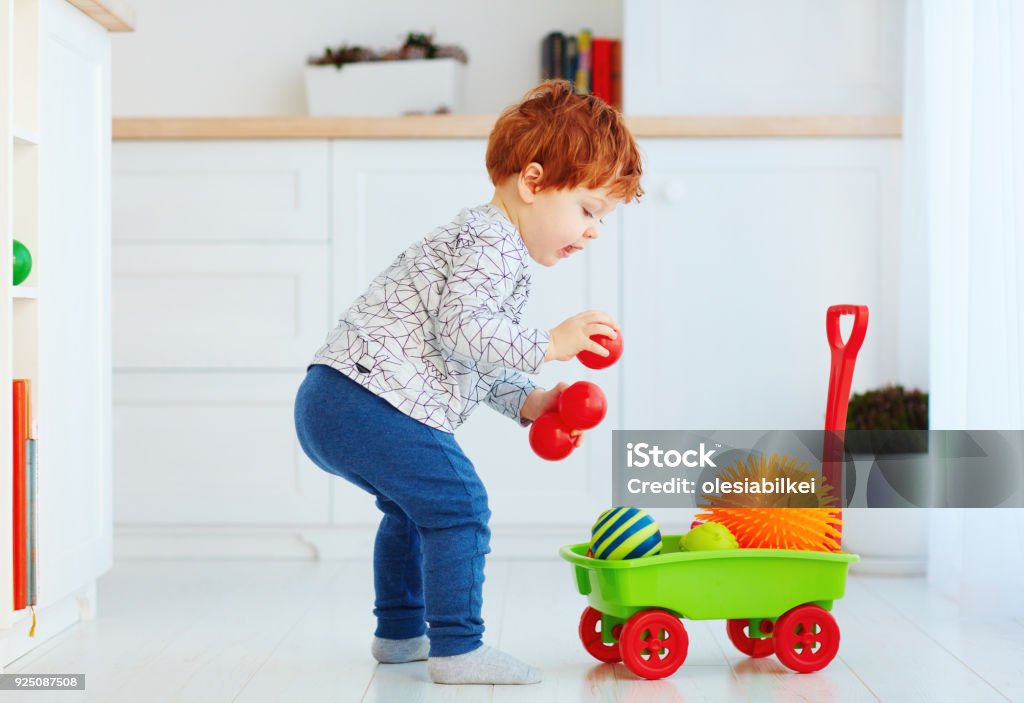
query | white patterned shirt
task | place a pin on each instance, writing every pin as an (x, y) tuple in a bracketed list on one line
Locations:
[(438, 331)]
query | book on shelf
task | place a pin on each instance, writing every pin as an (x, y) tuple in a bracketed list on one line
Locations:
[(616, 79), (594, 64), (569, 58), (22, 418), (31, 520), (545, 57), (552, 55), (601, 63), (583, 61), (606, 65)]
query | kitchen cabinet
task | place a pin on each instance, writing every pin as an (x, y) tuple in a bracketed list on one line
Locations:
[(218, 311), (220, 294), (720, 278)]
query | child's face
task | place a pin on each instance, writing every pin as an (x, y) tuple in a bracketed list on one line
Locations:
[(559, 223)]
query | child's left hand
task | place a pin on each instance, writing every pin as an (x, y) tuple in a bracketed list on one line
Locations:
[(541, 401)]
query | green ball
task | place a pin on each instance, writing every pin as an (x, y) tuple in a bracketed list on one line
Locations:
[(625, 533), (710, 535), (22, 262)]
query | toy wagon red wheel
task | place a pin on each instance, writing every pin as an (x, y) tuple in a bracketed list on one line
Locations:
[(806, 638), (590, 636), (653, 643), (751, 646)]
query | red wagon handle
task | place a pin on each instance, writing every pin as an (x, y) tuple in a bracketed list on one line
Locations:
[(844, 358)]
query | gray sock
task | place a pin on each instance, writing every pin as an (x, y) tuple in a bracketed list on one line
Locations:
[(413, 649), (482, 665)]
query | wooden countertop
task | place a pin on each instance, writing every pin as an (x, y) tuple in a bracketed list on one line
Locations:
[(466, 126), (114, 15)]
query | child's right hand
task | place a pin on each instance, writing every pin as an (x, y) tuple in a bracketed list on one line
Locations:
[(574, 335)]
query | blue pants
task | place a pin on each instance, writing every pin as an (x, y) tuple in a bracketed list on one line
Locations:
[(428, 558)]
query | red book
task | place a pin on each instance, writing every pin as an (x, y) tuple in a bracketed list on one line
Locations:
[(22, 390), (616, 82), (601, 68)]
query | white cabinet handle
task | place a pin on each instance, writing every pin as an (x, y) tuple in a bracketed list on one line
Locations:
[(675, 192)]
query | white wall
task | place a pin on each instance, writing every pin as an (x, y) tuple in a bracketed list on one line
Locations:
[(788, 57), (232, 57)]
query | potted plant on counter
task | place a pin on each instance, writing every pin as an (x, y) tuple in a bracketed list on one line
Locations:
[(416, 78), (887, 435)]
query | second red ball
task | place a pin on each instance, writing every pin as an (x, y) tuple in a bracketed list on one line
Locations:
[(549, 437), (582, 406)]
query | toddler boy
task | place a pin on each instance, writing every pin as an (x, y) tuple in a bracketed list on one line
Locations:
[(438, 332)]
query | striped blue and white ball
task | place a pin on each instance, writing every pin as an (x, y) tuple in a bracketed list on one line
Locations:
[(625, 533)]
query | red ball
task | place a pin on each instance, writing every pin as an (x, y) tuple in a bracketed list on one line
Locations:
[(582, 406), (549, 437), (594, 361)]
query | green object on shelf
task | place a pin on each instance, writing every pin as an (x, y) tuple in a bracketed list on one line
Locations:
[(22, 262)]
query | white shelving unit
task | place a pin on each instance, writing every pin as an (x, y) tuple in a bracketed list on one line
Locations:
[(55, 326), (19, 204)]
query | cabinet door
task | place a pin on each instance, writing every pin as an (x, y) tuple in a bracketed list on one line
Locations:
[(213, 448), (73, 270), (387, 194), (220, 299), (730, 265)]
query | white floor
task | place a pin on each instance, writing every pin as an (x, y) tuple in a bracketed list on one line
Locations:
[(299, 631)]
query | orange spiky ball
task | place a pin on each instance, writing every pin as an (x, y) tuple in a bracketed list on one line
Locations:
[(756, 524), (812, 529), (771, 468)]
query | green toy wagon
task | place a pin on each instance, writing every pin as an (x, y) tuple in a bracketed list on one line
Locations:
[(775, 601)]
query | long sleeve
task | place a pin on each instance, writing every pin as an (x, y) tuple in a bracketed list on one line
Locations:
[(508, 393), (471, 323), (437, 333)]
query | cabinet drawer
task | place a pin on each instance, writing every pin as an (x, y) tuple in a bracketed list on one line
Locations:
[(218, 305), (212, 448), (230, 190)]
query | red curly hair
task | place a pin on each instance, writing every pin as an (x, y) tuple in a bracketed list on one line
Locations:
[(578, 139)]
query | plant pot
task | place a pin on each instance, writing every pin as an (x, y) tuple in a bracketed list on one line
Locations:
[(387, 88)]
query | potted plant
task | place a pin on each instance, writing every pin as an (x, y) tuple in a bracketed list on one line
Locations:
[(887, 435), (890, 420), (417, 77)]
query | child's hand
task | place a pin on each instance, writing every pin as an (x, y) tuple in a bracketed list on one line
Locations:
[(574, 335), (541, 401)]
